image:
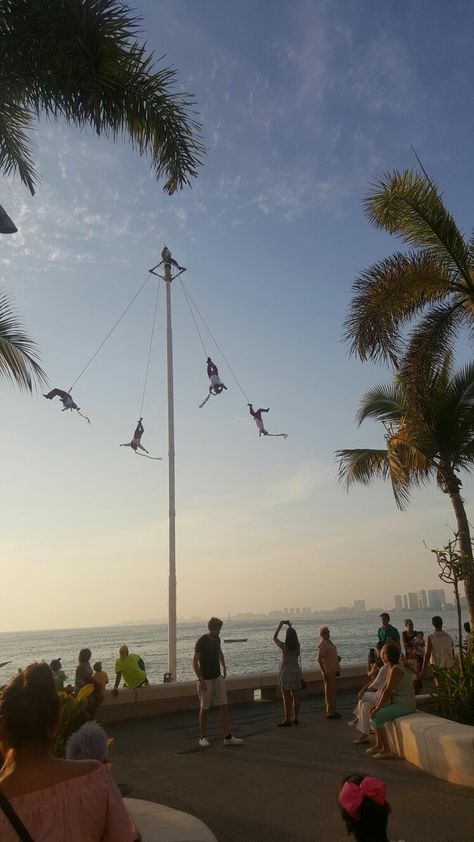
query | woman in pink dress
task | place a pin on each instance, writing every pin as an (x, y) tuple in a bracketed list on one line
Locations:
[(53, 800)]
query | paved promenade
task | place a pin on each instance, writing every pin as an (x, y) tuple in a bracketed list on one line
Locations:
[(282, 783)]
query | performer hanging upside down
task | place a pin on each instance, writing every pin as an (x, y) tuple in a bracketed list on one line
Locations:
[(216, 384), (166, 258), (66, 400), (257, 416), (135, 443)]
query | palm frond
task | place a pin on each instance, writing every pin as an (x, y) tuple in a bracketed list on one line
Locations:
[(361, 466), (409, 205), (388, 295), (79, 60), (454, 418), (431, 340), (18, 353), (382, 403), (15, 157)]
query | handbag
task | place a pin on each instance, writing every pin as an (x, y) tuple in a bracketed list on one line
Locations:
[(14, 819)]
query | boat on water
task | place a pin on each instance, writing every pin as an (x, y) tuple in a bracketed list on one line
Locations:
[(235, 639)]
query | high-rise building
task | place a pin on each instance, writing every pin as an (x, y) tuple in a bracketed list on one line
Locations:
[(398, 602), (413, 601), (422, 600), (405, 601), (437, 599), (359, 606)]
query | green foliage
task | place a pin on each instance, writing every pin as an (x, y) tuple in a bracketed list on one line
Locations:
[(430, 289), (18, 355), (73, 713), (428, 436), (455, 695), (79, 60)]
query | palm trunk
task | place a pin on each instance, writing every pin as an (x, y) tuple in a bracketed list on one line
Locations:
[(464, 535)]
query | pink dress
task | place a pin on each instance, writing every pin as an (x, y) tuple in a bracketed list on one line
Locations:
[(88, 808)]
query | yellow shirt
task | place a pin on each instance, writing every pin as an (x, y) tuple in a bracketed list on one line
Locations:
[(101, 677), (133, 676)]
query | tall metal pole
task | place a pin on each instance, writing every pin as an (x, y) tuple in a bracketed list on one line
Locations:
[(171, 485)]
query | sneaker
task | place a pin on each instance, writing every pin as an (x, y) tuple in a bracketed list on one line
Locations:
[(285, 724), (334, 716), (232, 741), (204, 742)]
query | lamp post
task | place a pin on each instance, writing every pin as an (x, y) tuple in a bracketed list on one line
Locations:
[(7, 226), (171, 479)]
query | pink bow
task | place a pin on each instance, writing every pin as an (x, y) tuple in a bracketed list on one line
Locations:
[(352, 795)]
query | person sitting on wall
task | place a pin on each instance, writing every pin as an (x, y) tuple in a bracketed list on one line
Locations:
[(132, 668)]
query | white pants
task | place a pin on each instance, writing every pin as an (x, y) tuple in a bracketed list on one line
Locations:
[(362, 710)]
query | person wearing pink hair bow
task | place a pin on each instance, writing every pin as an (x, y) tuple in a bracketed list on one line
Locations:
[(365, 808)]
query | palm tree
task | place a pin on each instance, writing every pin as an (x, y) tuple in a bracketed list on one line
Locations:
[(18, 355), (431, 285), (432, 438), (79, 60)]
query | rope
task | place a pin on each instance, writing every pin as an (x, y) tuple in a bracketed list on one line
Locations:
[(109, 333), (193, 317), (150, 346), (216, 343)]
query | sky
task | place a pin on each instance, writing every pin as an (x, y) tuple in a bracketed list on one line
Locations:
[(303, 106)]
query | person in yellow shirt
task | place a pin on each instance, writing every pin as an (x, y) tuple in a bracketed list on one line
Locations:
[(99, 675), (132, 668)]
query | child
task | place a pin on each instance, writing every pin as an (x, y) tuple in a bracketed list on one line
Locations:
[(364, 808), (58, 673), (99, 676)]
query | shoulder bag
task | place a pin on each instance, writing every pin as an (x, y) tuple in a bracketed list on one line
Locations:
[(14, 819)]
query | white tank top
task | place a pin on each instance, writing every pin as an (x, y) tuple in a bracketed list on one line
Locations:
[(442, 649)]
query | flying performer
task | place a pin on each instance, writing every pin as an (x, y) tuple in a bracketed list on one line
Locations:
[(66, 400), (136, 442), (257, 417), (216, 386)]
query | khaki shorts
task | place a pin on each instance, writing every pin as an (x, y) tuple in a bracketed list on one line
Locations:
[(214, 694)]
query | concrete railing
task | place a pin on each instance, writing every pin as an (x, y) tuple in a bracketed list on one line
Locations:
[(440, 747), (156, 699)]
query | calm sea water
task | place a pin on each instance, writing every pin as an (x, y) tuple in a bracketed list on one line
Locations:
[(353, 636)]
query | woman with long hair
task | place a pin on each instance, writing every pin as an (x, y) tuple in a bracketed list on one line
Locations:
[(51, 799), (397, 698), (290, 673)]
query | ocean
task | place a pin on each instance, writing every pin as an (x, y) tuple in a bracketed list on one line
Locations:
[(352, 634)]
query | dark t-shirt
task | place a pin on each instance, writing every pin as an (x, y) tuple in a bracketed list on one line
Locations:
[(386, 633), (208, 649)]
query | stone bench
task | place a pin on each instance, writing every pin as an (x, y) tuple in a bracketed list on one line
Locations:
[(440, 747), (158, 823)]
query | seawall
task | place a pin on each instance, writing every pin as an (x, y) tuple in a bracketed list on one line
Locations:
[(249, 688)]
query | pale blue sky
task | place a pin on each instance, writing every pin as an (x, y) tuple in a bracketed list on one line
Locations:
[(303, 104)]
